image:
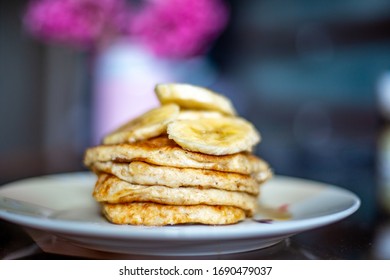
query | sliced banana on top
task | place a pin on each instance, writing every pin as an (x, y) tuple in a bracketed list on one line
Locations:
[(196, 114), (214, 136), (151, 124), (194, 98)]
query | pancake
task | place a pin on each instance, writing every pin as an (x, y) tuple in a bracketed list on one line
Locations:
[(165, 152), (142, 173), (110, 189), (188, 161), (152, 214)]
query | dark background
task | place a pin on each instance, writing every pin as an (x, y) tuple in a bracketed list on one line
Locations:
[(304, 72)]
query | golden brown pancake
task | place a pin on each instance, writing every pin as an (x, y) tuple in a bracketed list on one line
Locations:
[(142, 173), (165, 152), (110, 189), (153, 214)]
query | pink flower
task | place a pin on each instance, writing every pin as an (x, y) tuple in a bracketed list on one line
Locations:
[(170, 28), (179, 28), (79, 23)]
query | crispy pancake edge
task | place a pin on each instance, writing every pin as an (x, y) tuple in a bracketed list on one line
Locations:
[(153, 214), (165, 152)]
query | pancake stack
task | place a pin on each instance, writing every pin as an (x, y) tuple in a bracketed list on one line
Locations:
[(188, 161)]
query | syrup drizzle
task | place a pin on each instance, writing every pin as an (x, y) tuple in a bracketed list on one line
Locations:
[(266, 215)]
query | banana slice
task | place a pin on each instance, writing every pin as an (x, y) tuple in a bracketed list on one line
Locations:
[(195, 115), (194, 98), (151, 124), (214, 136)]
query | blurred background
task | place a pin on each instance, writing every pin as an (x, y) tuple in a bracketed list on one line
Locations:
[(313, 76)]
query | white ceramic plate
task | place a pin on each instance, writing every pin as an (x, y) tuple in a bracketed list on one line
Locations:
[(63, 205)]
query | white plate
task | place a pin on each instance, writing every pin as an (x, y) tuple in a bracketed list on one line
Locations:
[(70, 212)]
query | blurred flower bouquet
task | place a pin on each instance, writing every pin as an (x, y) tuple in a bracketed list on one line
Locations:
[(169, 28)]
